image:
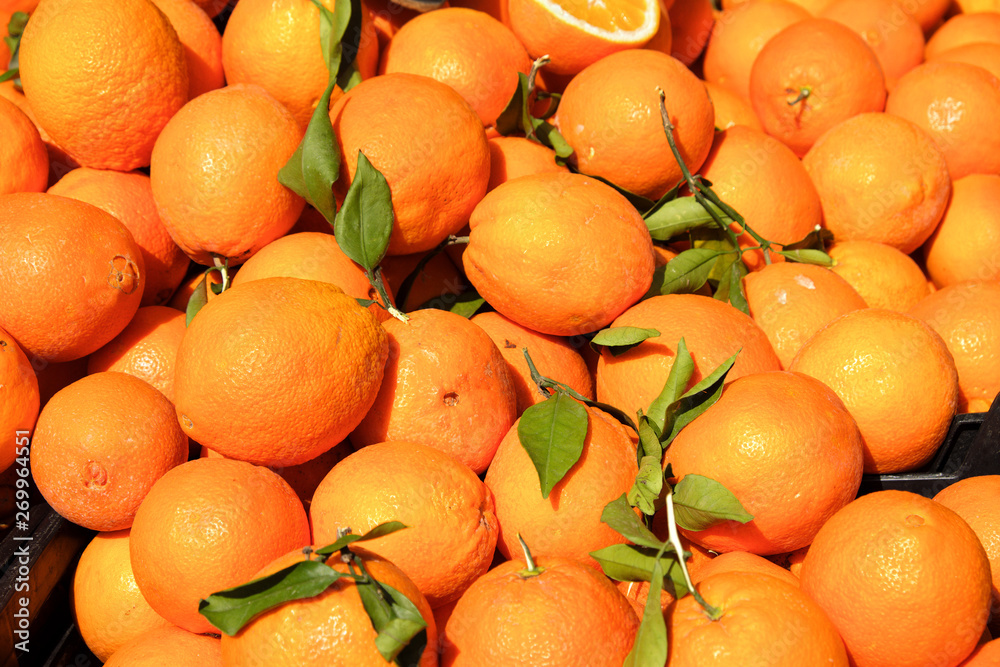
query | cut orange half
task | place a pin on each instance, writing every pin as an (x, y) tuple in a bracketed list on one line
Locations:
[(576, 33)]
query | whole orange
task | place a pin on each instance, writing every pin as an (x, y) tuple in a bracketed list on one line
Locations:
[(23, 155), (586, 620), (561, 254), (894, 554), (207, 525), (100, 445), (813, 461), (884, 276), (211, 209), (567, 523), (451, 526), (982, 54), (897, 379), (730, 108), (105, 116), (967, 316), (201, 41), (964, 29), (691, 23), (759, 616), (108, 608), (129, 197), (966, 244), (513, 157), (65, 319), (811, 76), (713, 331), (446, 385), (431, 150), (743, 561), (146, 348), (302, 348), (612, 121), (168, 646), (19, 394)]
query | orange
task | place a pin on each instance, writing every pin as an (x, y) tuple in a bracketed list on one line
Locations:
[(437, 284), (893, 191), (663, 39), (446, 385), (168, 646), (108, 608), (63, 319), (813, 460), (966, 245), (466, 49), (811, 76), (897, 379), (331, 628), (210, 208), (567, 523), (575, 35), (129, 197), (613, 121), (982, 54), (303, 348), (201, 41), (207, 525), (146, 348), (967, 316), (59, 161), (795, 559), (739, 35), (713, 331), (963, 29), (99, 446), (183, 294), (742, 561), (311, 256), (23, 155), (431, 150), (881, 274), (927, 12), (894, 35), (762, 617), (554, 357), (985, 655), (451, 526), (513, 157), (586, 620), (561, 254), (388, 17), (790, 302), (975, 500), (956, 103), (690, 26), (107, 117), (894, 554), (731, 109), (19, 394), (276, 45), (745, 163)]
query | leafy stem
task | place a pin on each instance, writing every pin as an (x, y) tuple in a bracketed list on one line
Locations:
[(532, 569), (675, 539)]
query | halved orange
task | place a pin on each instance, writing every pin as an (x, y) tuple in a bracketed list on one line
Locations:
[(576, 33)]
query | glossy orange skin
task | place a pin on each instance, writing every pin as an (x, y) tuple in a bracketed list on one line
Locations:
[(884, 276), (19, 394), (180, 647), (23, 155), (965, 244)]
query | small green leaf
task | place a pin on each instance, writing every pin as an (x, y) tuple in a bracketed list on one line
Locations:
[(648, 485), (553, 433), (680, 374), (509, 120), (621, 339), (650, 646), (737, 293), (680, 215), (628, 562), (364, 223), (548, 135), (667, 197), (401, 630), (231, 609), (807, 256), (696, 400), (817, 239), (381, 530), (329, 44), (689, 270), (623, 520), (701, 503), (197, 300), (649, 438)]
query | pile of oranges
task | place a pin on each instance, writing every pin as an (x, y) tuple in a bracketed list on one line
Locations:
[(807, 191)]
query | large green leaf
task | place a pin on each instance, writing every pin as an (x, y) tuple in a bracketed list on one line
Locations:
[(688, 271), (650, 646), (701, 502), (622, 339), (623, 520), (364, 223), (553, 433)]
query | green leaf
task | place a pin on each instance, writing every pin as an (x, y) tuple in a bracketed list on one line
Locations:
[(347, 31), (680, 374), (649, 438), (623, 520), (466, 303), (817, 239), (231, 609), (330, 44), (510, 119), (381, 530), (701, 503), (807, 256), (696, 400), (553, 433), (730, 288), (12, 73), (402, 631), (650, 646), (667, 197), (547, 135), (689, 270), (638, 201), (364, 223), (628, 562), (678, 216), (197, 300), (621, 339), (648, 485)]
